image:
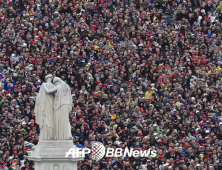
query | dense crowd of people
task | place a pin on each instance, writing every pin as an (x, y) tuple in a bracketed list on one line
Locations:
[(142, 73)]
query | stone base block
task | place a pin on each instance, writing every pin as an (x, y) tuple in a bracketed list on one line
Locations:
[(50, 155), (55, 163)]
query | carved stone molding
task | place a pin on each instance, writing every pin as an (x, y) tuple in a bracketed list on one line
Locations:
[(56, 167)]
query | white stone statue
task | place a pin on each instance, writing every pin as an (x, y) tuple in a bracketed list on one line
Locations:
[(53, 105), (62, 107), (44, 110)]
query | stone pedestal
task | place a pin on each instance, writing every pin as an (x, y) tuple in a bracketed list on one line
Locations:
[(50, 155)]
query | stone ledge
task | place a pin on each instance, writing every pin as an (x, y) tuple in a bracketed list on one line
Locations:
[(49, 152), (57, 159), (55, 143)]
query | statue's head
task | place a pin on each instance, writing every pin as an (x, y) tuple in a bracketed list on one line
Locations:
[(56, 80), (48, 76)]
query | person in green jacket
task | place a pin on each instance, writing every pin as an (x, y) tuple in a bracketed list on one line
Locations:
[(219, 6), (155, 130)]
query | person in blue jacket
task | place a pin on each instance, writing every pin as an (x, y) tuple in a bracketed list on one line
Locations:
[(9, 84)]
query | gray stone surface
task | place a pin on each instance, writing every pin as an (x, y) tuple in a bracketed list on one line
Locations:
[(56, 164), (56, 148), (50, 155)]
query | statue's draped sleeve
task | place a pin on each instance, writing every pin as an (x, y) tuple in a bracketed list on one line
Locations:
[(39, 108)]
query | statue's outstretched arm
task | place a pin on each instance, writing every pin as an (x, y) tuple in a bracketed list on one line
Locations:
[(54, 89)]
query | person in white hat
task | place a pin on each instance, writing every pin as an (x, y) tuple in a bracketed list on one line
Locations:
[(198, 166), (170, 168)]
